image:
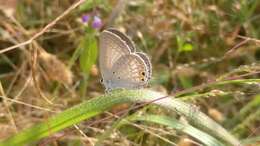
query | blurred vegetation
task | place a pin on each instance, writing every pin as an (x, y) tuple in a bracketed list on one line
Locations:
[(190, 43)]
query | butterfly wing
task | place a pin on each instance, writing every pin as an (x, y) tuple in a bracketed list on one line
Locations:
[(125, 38), (147, 63), (112, 47), (129, 72)]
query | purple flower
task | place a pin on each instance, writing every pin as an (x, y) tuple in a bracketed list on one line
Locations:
[(85, 18), (97, 22)]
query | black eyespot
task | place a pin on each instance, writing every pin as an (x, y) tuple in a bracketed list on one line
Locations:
[(142, 79), (118, 77), (113, 72), (143, 73), (101, 80)]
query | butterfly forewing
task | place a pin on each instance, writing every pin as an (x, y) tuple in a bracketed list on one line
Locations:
[(112, 47), (129, 72), (125, 38)]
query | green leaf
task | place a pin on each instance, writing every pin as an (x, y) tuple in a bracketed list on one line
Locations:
[(88, 5), (182, 46), (100, 104), (180, 126), (251, 106), (185, 82), (187, 47), (251, 140), (89, 53), (179, 43), (186, 128)]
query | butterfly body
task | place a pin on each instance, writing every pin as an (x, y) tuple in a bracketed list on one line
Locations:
[(120, 65)]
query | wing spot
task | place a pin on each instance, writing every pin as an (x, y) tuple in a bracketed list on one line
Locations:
[(113, 72), (142, 79), (143, 73)]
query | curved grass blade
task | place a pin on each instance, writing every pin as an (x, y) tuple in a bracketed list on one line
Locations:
[(100, 104), (185, 128), (201, 136)]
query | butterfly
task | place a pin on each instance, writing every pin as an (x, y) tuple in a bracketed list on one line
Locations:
[(120, 65)]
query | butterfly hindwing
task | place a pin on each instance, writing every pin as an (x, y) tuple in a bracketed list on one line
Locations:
[(147, 63), (129, 72)]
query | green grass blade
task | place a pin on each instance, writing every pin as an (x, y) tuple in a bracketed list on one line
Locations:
[(185, 128), (100, 104)]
